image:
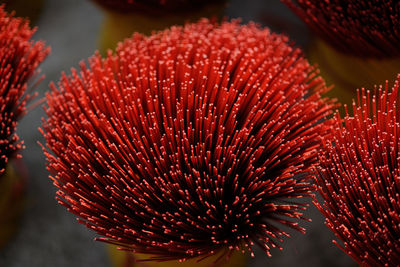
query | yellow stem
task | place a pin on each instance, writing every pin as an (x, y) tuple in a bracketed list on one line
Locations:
[(348, 73), (121, 258), (26, 9), (117, 26), (12, 187)]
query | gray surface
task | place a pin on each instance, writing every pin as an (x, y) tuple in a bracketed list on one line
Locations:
[(49, 235)]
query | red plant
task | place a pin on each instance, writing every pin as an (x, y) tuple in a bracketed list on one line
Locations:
[(187, 143), (360, 28), (19, 58), (170, 6), (359, 179)]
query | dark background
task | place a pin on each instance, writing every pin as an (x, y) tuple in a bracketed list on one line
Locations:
[(49, 235)]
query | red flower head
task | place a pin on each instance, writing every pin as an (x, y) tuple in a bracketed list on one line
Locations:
[(19, 58), (360, 28), (174, 6), (359, 179), (186, 143)]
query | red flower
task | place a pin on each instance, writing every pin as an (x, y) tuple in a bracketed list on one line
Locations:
[(170, 6), (19, 58), (360, 28), (359, 179), (186, 143)]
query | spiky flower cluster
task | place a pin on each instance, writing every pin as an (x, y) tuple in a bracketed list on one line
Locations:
[(157, 6), (361, 28), (359, 179), (19, 58), (187, 143)]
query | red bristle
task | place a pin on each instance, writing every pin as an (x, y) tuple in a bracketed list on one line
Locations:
[(361, 28), (359, 179), (187, 143), (19, 58), (156, 6)]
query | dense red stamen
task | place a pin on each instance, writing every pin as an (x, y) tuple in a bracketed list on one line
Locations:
[(360, 28), (186, 143), (359, 179), (19, 58)]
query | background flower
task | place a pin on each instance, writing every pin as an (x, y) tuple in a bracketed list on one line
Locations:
[(359, 28), (359, 179), (19, 58)]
